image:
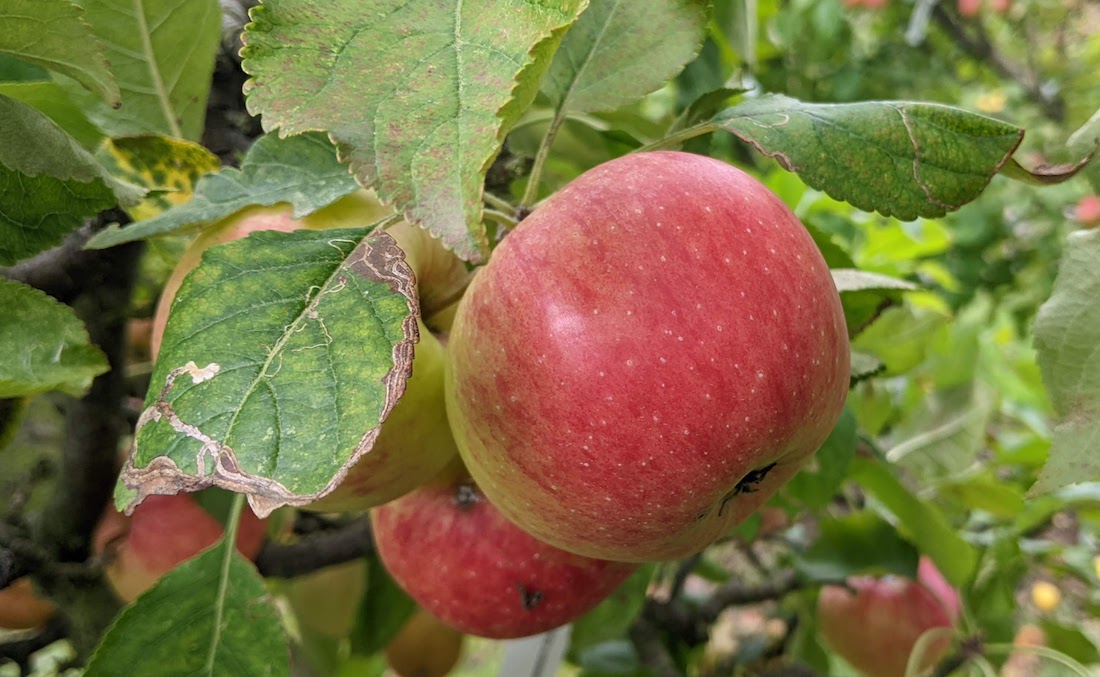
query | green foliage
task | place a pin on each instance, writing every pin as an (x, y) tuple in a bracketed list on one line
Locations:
[(45, 344), (209, 616), (263, 326), (382, 613), (301, 170)]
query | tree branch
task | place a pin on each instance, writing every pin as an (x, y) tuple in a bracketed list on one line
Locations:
[(316, 550), (651, 649)]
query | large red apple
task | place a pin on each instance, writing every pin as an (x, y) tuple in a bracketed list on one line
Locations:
[(875, 625), (455, 554), (415, 442), (161, 534), (646, 358)]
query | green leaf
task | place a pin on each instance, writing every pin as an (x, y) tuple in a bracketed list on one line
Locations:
[(48, 183), (425, 124), (621, 50), (382, 613), (48, 97), (282, 355), (162, 53), (612, 618), (209, 616), (850, 280), (301, 170), (1067, 331), (863, 366), (1071, 642), (921, 523), (615, 658), (858, 544), (949, 436), (818, 481), (898, 158), (53, 34), (44, 344)]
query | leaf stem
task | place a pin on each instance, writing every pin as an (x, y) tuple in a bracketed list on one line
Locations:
[(676, 138), (498, 203), (503, 219), (228, 543), (532, 193)]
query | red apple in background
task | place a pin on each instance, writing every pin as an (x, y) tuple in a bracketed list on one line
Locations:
[(415, 442), (449, 548), (647, 358), (1087, 211), (21, 608), (969, 8), (876, 627), (162, 533)]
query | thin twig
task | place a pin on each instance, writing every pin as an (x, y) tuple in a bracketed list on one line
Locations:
[(652, 650), (316, 550)]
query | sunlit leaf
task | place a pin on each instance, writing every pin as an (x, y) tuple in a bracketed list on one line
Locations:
[(165, 166), (423, 126)]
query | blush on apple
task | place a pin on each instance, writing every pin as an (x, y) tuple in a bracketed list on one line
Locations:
[(647, 358), (162, 533), (449, 548), (875, 625)]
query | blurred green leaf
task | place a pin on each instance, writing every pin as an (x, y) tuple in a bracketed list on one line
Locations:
[(861, 543), (162, 53), (615, 658), (1067, 332), (947, 434), (48, 183), (446, 83), (45, 345), (864, 366), (301, 170), (619, 51), (1070, 641), (266, 336), (53, 34), (612, 617), (209, 616), (921, 523), (900, 337), (382, 613), (818, 481)]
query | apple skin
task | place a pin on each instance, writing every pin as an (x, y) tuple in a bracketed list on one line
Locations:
[(326, 601), (415, 442), (646, 359), (1087, 210), (163, 532), (876, 628), (21, 608), (462, 561), (425, 647)]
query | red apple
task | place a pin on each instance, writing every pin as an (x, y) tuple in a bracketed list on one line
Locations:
[(876, 627), (969, 8), (455, 554), (162, 533), (415, 442), (647, 358), (21, 608), (1087, 211)]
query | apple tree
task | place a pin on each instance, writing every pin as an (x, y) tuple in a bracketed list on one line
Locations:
[(577, 337)]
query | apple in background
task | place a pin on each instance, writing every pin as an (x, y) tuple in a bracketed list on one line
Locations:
[(425, 647), (449, 548), (21, 608), (162, 533), (415, 442), (326, 601), (969, 8), (1087, 211), (875, 627), (647, 358)]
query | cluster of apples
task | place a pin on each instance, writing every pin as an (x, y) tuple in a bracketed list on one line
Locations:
[(644, 360)]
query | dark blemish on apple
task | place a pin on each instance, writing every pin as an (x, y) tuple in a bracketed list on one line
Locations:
[(528, 598), (465, 496), (749, 484)]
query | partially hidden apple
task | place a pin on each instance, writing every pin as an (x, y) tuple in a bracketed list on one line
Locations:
[(162, 533), (875, 624), (449, 548), (425, 647), (1087, 210), (22, 608), (415, 441), (326, 601), (647, 358)]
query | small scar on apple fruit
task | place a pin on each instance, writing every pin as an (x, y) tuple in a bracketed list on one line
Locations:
[(750, 483), (528, 598)]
